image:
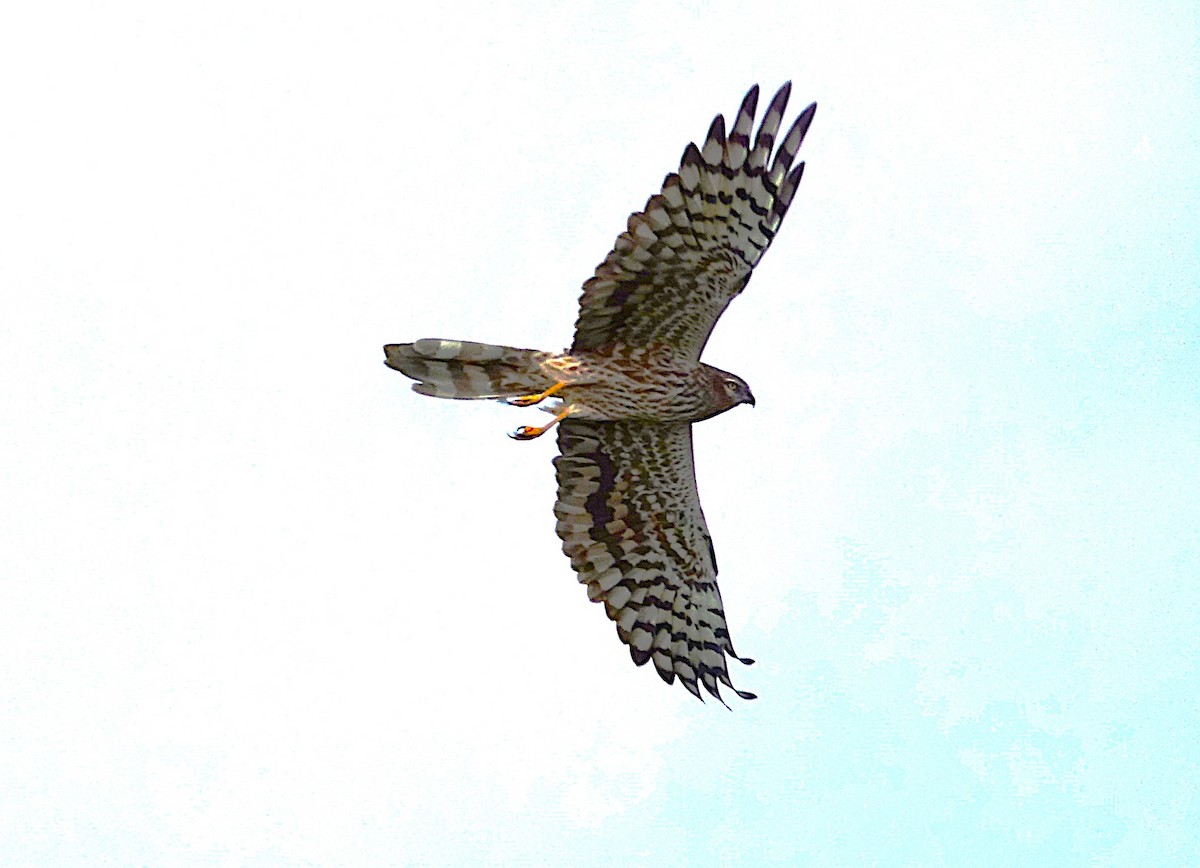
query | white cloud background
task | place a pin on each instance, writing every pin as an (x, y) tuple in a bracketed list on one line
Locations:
[(262, 605)]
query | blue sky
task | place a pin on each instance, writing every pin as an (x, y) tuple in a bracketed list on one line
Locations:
[(263, 605)]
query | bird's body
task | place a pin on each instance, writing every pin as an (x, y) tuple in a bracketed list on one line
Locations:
[(625, 394), (615, 383)]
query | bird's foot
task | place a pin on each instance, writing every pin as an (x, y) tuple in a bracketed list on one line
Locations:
[(528, 432), (530, 400)]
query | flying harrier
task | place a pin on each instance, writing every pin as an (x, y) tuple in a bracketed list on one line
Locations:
[(626, 393)]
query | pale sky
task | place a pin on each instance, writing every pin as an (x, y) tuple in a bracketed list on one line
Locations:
[(263, 605)]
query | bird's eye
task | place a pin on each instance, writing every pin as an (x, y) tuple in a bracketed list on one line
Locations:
[(732, 385)]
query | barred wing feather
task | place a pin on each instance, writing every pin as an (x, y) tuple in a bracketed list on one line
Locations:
[(630, 520), (691, 250)]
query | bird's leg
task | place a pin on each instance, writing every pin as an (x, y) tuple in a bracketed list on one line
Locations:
[(526, 432), (530, 400)]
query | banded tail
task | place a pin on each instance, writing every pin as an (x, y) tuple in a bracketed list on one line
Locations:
[(468, 370)]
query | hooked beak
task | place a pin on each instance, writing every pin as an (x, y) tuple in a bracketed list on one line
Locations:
[(750, 399)]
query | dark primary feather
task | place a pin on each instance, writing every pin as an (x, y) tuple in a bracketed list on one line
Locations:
[(691, 250), (630, 520)]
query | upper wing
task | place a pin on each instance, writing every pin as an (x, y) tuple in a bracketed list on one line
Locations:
[(630, 521), (685, 257)]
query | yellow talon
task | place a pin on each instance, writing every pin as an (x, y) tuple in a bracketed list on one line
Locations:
[(528, 432), (530, 400)]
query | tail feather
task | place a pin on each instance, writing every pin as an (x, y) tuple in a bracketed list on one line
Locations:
[(469, 370)]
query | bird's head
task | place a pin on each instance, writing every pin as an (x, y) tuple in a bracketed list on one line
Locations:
[(728, 390)]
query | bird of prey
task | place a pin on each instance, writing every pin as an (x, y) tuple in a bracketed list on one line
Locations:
[(625, 395)]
